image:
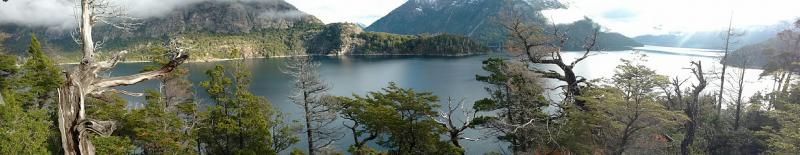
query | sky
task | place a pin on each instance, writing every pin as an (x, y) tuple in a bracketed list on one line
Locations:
[(638, 17), (353, 11), (629, 17)]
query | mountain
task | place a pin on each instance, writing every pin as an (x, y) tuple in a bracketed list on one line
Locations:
[(760, 55), (213, 29), (478, 19), (208, 16), (713, 39)]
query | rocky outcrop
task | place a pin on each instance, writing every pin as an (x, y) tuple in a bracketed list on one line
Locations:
[(336, 39)]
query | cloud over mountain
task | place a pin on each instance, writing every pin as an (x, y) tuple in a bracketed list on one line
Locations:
[(60, 14)]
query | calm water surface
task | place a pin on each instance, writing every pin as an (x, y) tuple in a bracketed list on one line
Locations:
[(444, 76)]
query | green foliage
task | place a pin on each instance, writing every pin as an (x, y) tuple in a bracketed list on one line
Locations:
[(40, 75), (240, 122), (632, 114), (112, 145), (443, 44), (7, 68), (786, 138), (23, 131), (111, 107), (515, 99), (158, 130), (403, 118), (25, 124)]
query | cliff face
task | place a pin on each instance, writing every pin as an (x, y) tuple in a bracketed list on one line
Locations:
[(336, 39)]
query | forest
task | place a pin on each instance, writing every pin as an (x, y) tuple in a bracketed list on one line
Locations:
[(47, 108)]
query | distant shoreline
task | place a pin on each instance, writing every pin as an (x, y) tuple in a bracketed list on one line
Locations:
[(287, 56)]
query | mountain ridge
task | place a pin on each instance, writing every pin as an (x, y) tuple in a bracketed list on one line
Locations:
[(477, 19)]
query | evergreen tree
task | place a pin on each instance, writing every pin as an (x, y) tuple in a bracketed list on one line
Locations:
[(403, 118), (239, 122), (23, 131), (40, 76)]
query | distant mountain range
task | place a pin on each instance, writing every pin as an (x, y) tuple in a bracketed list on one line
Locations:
[(713, 39), (478, 19)]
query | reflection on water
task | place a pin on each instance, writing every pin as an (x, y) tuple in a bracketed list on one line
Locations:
[(444, 76)]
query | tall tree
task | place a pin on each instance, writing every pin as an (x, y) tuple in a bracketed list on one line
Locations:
[(737, 115), (515, 97), (41, 77), (309, 91), (730, 36), (23, 130), (85, 81)]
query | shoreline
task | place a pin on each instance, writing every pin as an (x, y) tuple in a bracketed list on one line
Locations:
[(288, 56)]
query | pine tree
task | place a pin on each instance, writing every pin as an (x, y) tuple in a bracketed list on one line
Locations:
[(40, 76), (240, 122)]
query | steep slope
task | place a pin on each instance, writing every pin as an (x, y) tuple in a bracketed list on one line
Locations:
[(205, 16), (477, 19), (473, 18), (759, 55)]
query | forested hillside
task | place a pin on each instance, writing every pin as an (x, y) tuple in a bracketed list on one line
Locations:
[(211, 29), (478, 19)]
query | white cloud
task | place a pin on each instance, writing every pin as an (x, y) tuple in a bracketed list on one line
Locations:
[(358, 11), (664, 16), (60, 14)]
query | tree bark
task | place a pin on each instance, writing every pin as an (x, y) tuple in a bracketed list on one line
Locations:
[(692, 108), (738, 113), (83, 80), (724, 68)]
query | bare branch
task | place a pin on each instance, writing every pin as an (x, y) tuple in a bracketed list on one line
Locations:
[(136, 78)]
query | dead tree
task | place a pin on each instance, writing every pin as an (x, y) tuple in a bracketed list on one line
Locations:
[(692, 106), (309, 95), (455, 128), (730, 34), (738, 112), (83, 81), (539, 48)]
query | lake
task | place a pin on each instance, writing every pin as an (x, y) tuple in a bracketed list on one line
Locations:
[(444, 76)]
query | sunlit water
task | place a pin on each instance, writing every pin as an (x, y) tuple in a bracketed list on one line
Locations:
[(444, 76)]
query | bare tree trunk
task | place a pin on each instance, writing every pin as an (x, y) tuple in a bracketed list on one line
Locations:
[(83, 80), (309, 129), (738, 113), (724, 67), (787, 82), (692, 108)]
